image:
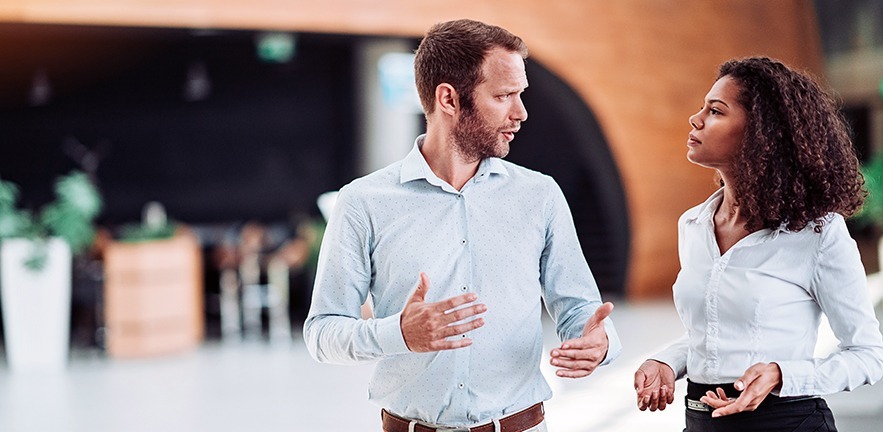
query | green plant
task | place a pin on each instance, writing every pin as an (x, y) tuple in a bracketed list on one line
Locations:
[(70, 216), (871, 212), (133, 233), (154, 225)]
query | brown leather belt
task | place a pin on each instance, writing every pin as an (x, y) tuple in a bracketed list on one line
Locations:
[(518, 422)]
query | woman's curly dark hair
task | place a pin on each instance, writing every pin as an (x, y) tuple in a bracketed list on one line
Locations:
[(797, 161)]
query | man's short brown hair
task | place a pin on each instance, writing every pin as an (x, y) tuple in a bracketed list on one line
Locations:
[(453, 52)]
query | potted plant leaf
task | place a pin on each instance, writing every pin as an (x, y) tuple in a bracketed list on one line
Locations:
[(36, 249), (872, 211), (870, 218)]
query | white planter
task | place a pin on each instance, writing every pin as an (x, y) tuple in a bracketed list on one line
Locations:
[(36, 306)]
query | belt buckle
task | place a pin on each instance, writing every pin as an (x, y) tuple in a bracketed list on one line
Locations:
[(697, 405)]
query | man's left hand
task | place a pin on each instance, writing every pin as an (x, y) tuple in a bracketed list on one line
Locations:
[(577, 358)]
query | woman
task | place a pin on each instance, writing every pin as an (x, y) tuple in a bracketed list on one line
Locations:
[(763, 257)]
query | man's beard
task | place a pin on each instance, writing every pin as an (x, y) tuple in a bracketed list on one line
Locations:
[(474, 140)]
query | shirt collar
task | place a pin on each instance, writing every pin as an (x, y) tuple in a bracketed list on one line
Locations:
[(707, 209), (415, 167), (490, 166)]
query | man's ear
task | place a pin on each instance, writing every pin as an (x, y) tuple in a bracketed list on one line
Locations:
[(446, 99)]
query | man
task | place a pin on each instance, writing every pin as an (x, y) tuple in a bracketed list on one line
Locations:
[(458, 250)]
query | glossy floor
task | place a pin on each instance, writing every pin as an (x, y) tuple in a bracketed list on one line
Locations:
[(256, 386)]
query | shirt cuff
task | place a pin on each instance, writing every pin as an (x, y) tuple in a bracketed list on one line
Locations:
[(674, 361), (798, 378), (614, 346), (389, 335)]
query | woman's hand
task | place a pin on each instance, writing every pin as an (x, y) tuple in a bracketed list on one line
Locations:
[(757, 382), (654, 385)]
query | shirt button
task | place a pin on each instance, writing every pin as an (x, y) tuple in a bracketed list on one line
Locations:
[(464, 288), (459, 196), (463, 336), (463, 241), (461, 385)]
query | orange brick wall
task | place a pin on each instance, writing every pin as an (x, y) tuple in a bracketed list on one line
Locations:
[(642, 66)]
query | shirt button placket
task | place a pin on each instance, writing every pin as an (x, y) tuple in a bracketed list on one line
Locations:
[(460, 197), (713, 331), (461, 401)]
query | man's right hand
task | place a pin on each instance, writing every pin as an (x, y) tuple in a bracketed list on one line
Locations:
[(654, 385), (426, 326)]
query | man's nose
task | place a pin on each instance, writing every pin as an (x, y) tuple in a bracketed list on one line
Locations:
[(519, 112)]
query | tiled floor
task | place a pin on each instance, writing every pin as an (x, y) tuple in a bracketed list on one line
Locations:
[(256, 386)]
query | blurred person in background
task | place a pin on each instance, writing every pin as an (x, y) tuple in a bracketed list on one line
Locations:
[(764, 257), (458, 250)]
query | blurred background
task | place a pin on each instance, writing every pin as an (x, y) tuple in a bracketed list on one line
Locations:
[(212, 134)]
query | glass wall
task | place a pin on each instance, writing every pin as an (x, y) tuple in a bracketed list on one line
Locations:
[(852, 39)]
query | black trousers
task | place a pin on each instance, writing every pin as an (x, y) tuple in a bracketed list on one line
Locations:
[(773, 415)]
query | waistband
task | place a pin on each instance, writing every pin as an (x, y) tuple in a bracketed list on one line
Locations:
[(517, 422), (695, 391)]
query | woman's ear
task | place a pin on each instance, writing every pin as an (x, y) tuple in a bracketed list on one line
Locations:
[(446, 99)]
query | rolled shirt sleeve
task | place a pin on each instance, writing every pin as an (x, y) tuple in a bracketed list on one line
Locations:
[(569, 288), (334, 331)]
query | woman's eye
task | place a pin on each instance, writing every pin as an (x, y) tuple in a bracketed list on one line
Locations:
[(715, 111)]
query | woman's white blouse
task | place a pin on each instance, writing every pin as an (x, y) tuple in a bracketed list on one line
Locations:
[(761, 301)]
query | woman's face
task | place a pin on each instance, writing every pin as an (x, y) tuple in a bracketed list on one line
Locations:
[(718, 128)]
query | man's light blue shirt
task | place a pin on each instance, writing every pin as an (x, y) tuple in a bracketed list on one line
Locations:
[(507, 236)]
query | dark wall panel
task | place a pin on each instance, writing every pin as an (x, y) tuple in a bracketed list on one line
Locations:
[(261, 143)]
